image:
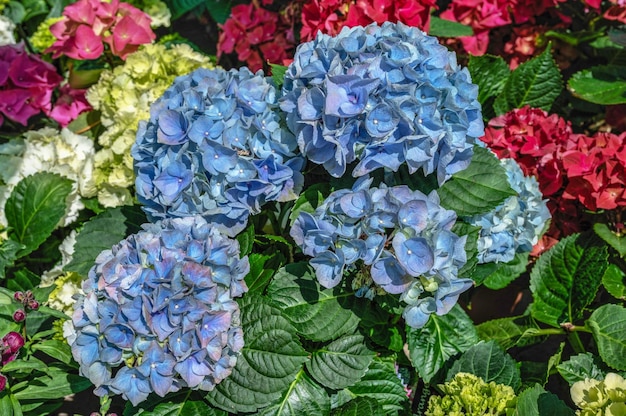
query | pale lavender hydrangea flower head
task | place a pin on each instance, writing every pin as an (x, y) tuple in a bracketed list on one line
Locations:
[(381, 96), (158, 312)]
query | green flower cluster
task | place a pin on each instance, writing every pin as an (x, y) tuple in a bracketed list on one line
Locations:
[(600, 397), (124, 95), (42, 39), (469, 395)]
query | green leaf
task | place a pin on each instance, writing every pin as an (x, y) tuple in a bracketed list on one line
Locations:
[(259, 276), (448, 29), (35, 207), (536, 401), (614, 282), (505, 273), (566, 278), (180, 7), (24, 365), (8, 254), (618, 242), (23, 280), (505, 331), (605, 84), (309, 200), (246, 241), (101, 233), (608, 325), (580, 367), (341, 363), (59, 350), (380, 383), (269, 361), (488, 361), (477, 189), (6, 407), (490, 73), (361, 406), (178, 404), (55, 384), (219, 9), (303, 398), (440, 339), (462, 228), (318, 315), (536, 83), (278, 74)]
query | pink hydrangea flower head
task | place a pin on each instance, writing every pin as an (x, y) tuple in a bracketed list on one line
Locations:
[(15, 105), (89, 23)]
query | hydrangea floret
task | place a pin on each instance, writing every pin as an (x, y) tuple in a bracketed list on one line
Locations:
[(600, 397), (469, 395), (215, 146), (49, 150), (158, 312), (123, 96), (382, 96), (516, 225), (402, 238)]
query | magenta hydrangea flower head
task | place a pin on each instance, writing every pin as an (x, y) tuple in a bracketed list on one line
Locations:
[(159, 313), (26, 84), (402, 239), (215, 145), (381, 96)]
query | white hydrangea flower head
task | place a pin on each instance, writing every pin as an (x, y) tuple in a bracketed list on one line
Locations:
[(48, 150)]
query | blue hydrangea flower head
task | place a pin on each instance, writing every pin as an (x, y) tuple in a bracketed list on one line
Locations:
[(159, 313), (381, 96), (516, 225), (215, 146), (401, 239)]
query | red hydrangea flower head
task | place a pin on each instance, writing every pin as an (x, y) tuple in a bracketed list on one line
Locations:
[(525, 10), (323, 16), (89, 24), (596, 170), (523, 44), (534, 139), (330, 17), (257, 35)]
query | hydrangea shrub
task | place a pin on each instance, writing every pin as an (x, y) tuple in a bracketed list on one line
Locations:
[(215, 146), (159, 313), (382, 96)]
